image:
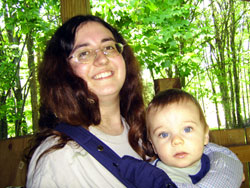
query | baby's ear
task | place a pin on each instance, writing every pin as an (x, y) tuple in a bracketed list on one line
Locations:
[(153, 146), (206, 139)]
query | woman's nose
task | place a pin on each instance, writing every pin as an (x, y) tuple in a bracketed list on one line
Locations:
[(100, 58)]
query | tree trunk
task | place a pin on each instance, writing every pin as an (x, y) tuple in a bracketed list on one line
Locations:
[(214, 98), (234, 61), (232, 96), (33, 83), (3, 120), (247, 89), (221, 71)]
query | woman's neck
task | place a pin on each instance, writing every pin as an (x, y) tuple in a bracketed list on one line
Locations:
[(110, 118)]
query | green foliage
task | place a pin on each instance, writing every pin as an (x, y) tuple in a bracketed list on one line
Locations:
[(190, 39), (159, 31), (179, 39), (21, 19)]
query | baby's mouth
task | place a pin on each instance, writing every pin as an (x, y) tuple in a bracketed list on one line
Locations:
[(180, 155)]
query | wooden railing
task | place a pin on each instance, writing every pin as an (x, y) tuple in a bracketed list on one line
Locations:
[(12, 165), (13, 168)]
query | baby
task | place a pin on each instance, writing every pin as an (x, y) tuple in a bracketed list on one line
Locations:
[(178, 131)]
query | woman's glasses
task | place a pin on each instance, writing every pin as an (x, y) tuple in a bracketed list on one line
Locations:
[(87, 55)]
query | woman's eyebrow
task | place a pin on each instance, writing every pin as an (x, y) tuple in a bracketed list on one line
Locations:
[(87, 44), (107, 39), (79, 46)]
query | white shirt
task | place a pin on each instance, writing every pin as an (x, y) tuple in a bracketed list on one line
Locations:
[(73, 167)]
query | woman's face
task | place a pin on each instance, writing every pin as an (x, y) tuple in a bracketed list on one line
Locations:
[(105, 76)]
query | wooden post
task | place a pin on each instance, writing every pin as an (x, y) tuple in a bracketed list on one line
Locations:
[(70, 8), (166, 83)]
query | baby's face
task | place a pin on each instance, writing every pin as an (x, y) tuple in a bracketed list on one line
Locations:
[(177, 134)]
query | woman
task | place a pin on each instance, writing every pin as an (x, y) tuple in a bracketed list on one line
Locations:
[(89, 77)]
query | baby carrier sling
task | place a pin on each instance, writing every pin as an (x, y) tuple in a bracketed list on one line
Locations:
[(106, 156)]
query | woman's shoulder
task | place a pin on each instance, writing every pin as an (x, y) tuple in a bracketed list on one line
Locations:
[(46, 149), (47, 160), (70, 165), (50, 168)]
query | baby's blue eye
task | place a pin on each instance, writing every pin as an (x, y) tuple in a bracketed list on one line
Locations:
[(163, 135), (188, 129)]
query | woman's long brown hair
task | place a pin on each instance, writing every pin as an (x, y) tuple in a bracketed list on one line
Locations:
[(64, 97)]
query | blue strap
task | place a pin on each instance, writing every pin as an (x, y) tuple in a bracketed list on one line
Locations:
[(144, 174), (100, 151)]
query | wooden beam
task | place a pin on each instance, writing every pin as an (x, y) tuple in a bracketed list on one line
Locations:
[(70, 8), (228, 137), (12, 164), (166, 83), (242, 152)]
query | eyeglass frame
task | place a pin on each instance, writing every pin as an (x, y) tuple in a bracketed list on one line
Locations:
[(119, 52)]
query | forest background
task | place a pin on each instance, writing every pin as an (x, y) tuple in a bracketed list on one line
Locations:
[(204, 43)]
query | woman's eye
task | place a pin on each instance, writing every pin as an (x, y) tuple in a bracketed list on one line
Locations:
[(83, 54), (188, 129), (109, 48), (163, 135)]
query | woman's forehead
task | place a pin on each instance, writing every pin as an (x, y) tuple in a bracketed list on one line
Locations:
[(92, 31)]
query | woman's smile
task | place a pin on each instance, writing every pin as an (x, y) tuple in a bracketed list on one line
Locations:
[(103, 75)]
